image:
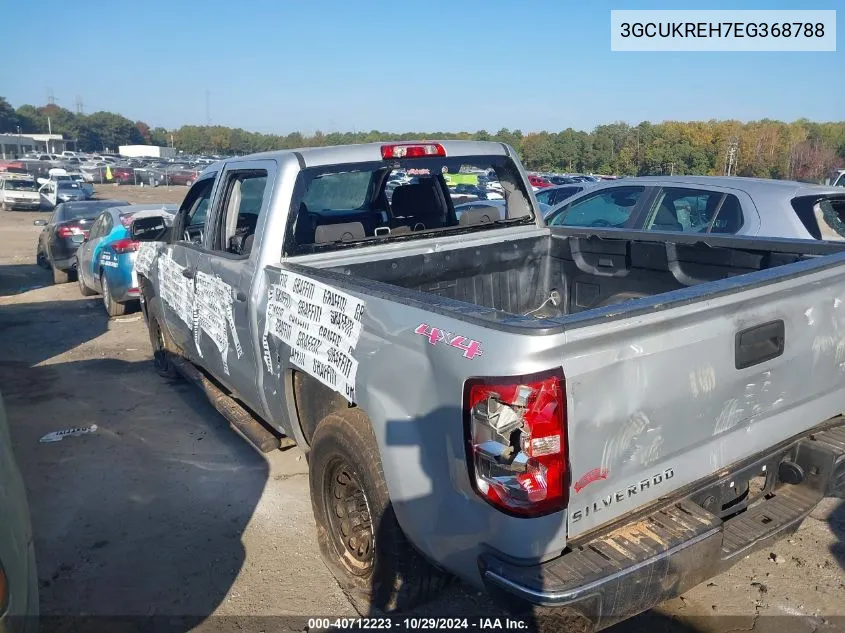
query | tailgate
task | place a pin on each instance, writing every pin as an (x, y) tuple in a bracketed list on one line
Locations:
[(662, 399)]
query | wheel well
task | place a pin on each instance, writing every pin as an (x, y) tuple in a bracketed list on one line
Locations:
[(313, 402)]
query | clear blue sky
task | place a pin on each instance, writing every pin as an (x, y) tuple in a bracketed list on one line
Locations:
[(285, 65)]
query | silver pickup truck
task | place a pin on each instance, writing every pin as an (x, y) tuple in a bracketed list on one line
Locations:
[(582, 422)]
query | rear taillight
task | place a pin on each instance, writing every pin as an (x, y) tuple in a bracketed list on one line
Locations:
[(412, 150), (124, 246), (516, 442), (69, 231)]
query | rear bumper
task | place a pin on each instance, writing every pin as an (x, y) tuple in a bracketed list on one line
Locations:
[(636, 565), (28, 206)]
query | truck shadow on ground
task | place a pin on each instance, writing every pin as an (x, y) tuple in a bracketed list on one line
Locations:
[(18, 278), (440, 463), (836, 520), (141, 518)]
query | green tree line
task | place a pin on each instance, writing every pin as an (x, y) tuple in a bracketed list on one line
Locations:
[(802, 149)]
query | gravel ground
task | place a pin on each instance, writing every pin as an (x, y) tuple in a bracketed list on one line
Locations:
[(165, 511)]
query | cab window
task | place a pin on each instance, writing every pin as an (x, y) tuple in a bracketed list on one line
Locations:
[(679, 209)]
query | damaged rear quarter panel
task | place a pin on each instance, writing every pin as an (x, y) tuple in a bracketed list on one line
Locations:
[(412, 391)]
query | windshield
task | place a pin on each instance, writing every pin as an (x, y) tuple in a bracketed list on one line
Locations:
[(404, 199), (21, 185), (67, 185)]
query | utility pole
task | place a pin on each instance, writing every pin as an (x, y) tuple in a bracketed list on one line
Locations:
[(79, 105), (731, 156), (51, 98)]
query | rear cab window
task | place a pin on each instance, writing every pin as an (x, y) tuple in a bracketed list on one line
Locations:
[(359, 204)]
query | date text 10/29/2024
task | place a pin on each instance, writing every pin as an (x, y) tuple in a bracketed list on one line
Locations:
[(419, 624)]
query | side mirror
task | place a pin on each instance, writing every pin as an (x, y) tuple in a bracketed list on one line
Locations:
[(40, 222), (149, 229), (42, 181)]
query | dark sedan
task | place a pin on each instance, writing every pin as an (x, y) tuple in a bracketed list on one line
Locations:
[(64, 232)]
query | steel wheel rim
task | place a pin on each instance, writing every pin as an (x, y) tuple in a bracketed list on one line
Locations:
[(105, 292), (349, 517)]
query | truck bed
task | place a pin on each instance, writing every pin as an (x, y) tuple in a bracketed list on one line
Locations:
[(544, 284)]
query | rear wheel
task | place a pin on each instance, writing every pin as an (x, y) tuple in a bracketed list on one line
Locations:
[(360, 540), (41, 259), (189, 183), (112, 307), (161, 357)]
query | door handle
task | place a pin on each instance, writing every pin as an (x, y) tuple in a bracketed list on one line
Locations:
[(190, 273), (240, 295)]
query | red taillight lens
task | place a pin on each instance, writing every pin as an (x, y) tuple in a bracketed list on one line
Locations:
[(516, 442), (412, 150), (69, 231), (124, 246)]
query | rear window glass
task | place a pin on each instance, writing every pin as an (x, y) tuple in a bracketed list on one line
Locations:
[(343, 205), (830, 216), (71, 211)]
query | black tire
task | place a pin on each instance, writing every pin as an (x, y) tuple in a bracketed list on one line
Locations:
[(189, 183), (375, 565), (41, 259), (84, 290), (113, 308), (4, 206), (60, 276), (161, 357)]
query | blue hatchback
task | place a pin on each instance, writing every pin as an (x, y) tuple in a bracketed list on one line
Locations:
[(105, 261)]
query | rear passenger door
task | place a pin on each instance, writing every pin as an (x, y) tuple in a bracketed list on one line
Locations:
[(100, 257), (228, 283), (696, 210), (179, 263)]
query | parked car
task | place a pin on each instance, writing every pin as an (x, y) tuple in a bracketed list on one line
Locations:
[(18, 191), (105, 261), (64, 232), (55, 191), (19, 610), (538, 182), (550, 196), (590, 424), (561, 180), (184, 176), (498, 204), (709, 204)]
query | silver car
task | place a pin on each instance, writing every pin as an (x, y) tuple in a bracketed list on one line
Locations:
[(709, 204), (18, 577)]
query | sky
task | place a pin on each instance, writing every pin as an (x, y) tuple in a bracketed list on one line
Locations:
[(278, 66)]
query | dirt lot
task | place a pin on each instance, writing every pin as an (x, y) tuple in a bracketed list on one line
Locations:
[(165, 511)]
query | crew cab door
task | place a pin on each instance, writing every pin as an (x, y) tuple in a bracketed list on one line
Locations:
[(179, 264), (226, 282)]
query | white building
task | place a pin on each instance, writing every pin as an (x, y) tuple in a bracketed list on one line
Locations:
[(146, 151), (16, 145)]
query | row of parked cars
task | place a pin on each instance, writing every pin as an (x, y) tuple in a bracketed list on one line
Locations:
[(104, 168)]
